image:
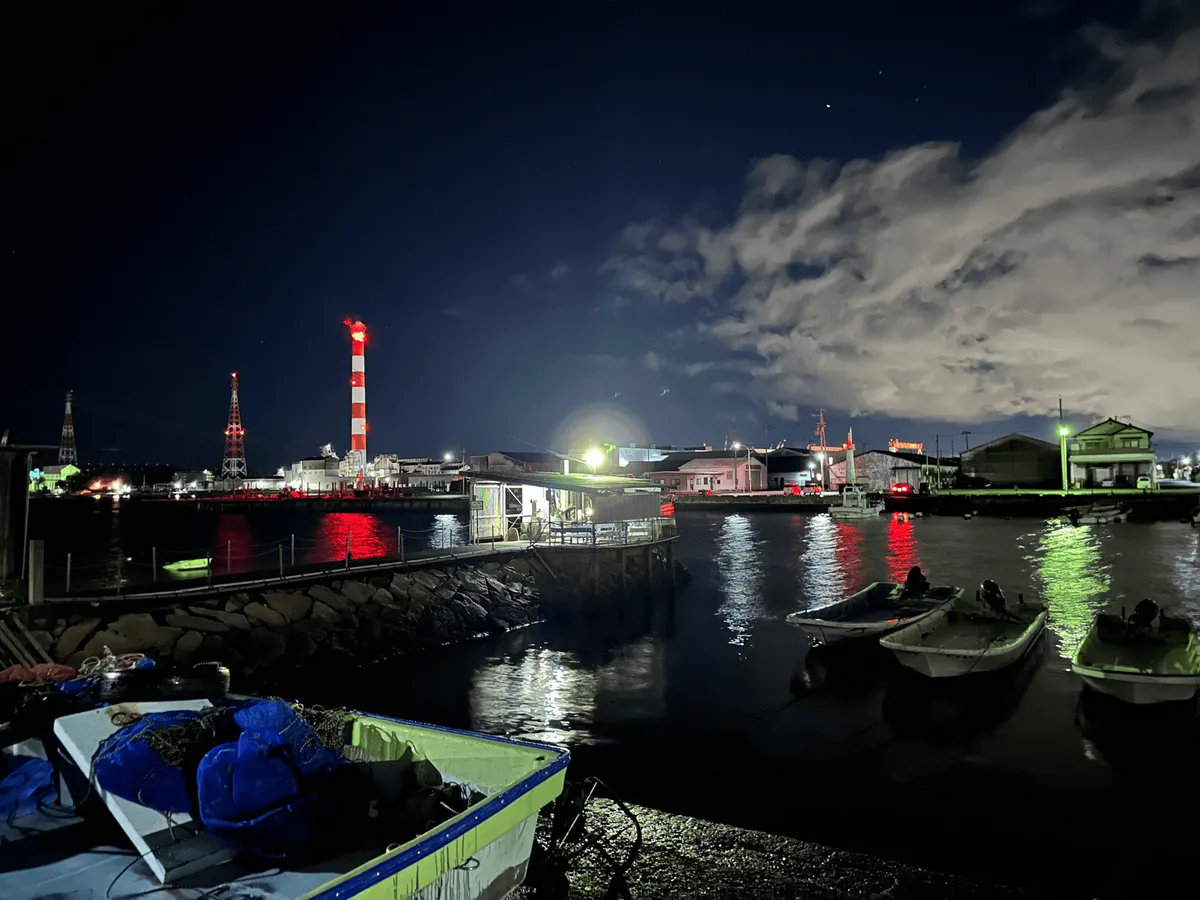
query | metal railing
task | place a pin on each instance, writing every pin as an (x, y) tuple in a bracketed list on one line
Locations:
[(542, 533)]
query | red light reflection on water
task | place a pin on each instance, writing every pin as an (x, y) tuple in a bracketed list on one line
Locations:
[(902, 552), (849, 554), (233, 546), (365, 534)]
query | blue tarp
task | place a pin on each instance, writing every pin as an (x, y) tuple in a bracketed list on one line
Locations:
[(27, 784)]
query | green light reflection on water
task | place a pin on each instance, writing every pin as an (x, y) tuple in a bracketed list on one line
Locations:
[(1074, 581)]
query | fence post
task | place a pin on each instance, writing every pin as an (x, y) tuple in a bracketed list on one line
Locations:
[(229, 556), (281, 560), (154, 564), (120, 565), (208, 567), (401, 546), (293, 551), (400, 540), (68, 585), (37, 572), (349, 535)]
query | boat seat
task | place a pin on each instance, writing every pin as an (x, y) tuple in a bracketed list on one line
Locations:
[(1177, 624)]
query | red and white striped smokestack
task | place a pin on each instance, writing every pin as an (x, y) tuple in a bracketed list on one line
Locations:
[(358, 395)]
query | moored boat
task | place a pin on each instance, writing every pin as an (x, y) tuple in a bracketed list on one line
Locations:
[(367, 804), (1147, 658), (856, 503), (979, 634), (876, 610), (188, 565), (1097, 514)]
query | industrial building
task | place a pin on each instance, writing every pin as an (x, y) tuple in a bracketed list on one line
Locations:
[(1015, 461), (789, 465), (711, 470)]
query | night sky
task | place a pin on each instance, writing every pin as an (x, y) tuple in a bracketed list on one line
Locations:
[(618, 222)]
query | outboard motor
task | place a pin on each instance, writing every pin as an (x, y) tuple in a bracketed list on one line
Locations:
[(993, 597), (916, 582), (1143, 614)]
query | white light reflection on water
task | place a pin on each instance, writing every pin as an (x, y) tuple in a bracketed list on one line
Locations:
[(448, 531), (1074, 580), (822, 578), (554, 696), (1187, 569), (740, 567)]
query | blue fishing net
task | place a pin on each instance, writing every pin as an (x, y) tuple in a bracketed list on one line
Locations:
[(146, 761), (273, 791)]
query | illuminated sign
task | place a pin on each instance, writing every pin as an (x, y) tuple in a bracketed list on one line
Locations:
[(914, 446)]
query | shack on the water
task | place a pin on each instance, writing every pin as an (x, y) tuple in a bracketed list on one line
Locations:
[(566, 509)]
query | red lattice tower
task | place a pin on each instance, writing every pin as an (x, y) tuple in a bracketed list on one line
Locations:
[(357, 457), (234, 463), (66, 444)]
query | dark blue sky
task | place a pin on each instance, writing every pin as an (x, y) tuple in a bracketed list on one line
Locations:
[(203, 194)]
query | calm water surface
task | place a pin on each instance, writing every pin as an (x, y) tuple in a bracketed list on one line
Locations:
[(684, 703)]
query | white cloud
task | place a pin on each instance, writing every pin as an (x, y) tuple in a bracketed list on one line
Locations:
[(926, 286), (651, 361), (560, 271)]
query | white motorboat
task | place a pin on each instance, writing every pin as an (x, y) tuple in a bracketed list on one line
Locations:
[(878, 609), (1148, 658), (972, 635), (1098, 514), (856, 503)]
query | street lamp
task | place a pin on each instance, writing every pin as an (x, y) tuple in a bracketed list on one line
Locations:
[(594, 458), (737, 445), (448, 457), (821, 462), (1063, 431)]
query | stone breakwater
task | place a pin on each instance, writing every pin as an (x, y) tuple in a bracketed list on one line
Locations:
[(336, 624)]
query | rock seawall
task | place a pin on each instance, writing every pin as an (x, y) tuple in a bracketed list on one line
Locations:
[(337, 623)]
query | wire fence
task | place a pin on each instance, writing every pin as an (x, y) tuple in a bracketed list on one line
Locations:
[(229, 559), (117, 568)]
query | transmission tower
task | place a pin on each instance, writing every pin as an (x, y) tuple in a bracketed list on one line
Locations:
[(234, 463), (66, 444)]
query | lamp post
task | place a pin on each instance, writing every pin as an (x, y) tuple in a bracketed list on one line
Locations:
[(1063, 431), (749, 484)]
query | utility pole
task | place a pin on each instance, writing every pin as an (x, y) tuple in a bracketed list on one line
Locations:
[(967, 440)]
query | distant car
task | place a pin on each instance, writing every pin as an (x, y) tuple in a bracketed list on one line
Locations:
[(902, 488), (1144, 483)]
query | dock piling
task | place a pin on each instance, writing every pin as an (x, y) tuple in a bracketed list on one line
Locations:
[(293, 551), (281, 560), (229, 556), (154, 564), (68, 584)]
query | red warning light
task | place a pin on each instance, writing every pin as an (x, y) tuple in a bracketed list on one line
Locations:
[(358, 331)]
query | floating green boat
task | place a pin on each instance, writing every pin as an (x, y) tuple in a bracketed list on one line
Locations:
[(187, 565)]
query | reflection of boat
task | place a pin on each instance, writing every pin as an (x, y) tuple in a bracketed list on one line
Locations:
[(876, 610), (976, 635), (492, 790), (1148, 658), (187, 565), (1097, 514), (856, 503)]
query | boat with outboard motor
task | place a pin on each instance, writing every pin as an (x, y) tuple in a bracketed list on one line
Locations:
[(1149, 657), (978, 634), (876, 610), (223, 794)]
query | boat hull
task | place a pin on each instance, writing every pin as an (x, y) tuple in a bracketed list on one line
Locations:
[(856, 512), (933, 662), (1144, 692), (839, 630)]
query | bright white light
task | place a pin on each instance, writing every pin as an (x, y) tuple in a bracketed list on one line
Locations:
[(737, 446), (448, 457), (1186, 461), (178, 485), (593, 458), (588, 512)]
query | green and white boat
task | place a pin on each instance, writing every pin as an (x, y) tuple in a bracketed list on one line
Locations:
[(187, 566)]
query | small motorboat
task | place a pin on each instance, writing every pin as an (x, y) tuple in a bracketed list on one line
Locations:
[(876, 610), (1147, 658), (972, 635), (458, 810), (1097, 514), (187, 566), (856, 503)]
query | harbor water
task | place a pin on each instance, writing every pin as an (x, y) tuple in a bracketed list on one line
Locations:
[(684, 703)]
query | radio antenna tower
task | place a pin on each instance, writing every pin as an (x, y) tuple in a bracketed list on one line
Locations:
[(234, 463), (356, 459), (66, 444)]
